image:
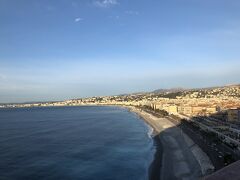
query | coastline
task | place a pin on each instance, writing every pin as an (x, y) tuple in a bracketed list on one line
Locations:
[(154, 170), (172, 146), (176, 156), (156, 164)]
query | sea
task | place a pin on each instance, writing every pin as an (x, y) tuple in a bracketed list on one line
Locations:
[(85, 143)]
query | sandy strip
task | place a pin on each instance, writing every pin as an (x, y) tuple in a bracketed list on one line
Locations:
[(181, 157)]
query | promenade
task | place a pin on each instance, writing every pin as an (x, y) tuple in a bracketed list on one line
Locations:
[(181, 157)]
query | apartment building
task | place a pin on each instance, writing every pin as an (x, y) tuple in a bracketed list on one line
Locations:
[(233, 115)]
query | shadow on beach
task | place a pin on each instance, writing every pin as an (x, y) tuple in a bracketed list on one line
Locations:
[(183, 149)]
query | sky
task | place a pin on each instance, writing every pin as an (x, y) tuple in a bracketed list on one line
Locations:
[(62, 49)]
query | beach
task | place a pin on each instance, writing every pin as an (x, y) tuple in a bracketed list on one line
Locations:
[(177, 156)]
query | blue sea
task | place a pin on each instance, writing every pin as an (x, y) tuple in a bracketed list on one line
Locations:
[(86, 143)]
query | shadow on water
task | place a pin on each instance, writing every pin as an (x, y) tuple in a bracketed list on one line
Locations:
[(154, 169)]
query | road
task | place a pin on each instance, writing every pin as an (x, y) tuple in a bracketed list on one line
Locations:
[(209, 144), (178, 160)]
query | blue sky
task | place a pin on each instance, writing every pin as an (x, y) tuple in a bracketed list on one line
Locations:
[(61, 49)]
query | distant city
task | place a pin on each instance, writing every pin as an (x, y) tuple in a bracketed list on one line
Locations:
[(218, 101)]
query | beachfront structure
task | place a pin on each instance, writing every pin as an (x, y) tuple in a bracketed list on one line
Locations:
[(196, 110), (233, 115), (172, 109), (182, 107)]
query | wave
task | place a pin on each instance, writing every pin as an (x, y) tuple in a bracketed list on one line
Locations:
[(150, 132)]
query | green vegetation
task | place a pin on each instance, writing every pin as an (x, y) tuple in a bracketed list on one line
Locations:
[(170, 95)]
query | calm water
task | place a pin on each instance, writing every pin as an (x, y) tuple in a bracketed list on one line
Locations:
[(84, 143)]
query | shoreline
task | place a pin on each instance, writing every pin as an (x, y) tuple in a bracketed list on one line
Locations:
[(177, 156), (173, 145), (154, 170)]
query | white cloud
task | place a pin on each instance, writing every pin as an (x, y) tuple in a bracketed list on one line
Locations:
[(105, 3), (78, 19)]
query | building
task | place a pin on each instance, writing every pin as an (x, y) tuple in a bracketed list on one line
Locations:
[(172, 109), (158, 106), (187, 110), (197, 110), (212, 110), (233, 115)]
